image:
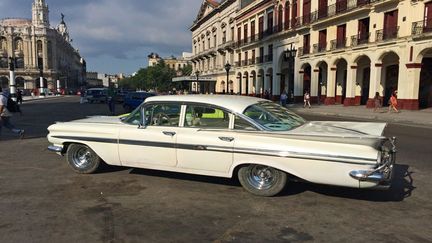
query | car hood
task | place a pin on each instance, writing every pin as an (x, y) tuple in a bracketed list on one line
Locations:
[(341, 129), (100, 119)]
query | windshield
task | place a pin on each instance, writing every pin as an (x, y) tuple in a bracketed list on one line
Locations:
[(273, 116)]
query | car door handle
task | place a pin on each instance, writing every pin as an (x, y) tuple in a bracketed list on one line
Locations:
[(169, 133), (227, 139)]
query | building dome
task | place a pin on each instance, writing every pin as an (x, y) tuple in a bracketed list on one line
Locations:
[(15, 22)]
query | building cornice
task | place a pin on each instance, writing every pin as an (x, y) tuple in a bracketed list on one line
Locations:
[(220, 8)]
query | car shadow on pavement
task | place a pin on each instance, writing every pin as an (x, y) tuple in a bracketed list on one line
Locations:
[(188, 177), (402, 187)]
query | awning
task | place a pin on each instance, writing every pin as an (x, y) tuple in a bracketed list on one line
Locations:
[(193, 79)]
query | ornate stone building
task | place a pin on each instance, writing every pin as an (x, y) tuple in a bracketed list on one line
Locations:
[(39, 49), (176, 63), (345, 50)]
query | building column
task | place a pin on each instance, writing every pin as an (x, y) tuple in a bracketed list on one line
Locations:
[(314, 86), (331, 82), (375, 82), (408, 92), (350, 86)]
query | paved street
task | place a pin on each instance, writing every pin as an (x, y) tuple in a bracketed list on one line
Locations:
[(42, 200)]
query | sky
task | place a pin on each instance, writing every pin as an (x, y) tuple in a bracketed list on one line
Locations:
[(115, 36)]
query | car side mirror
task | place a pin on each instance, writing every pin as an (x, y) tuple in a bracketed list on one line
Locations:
[(142, 123)]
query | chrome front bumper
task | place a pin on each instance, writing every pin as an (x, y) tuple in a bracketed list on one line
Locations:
[(383, 174)]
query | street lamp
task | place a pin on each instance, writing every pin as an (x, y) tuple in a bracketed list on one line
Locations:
[(227, 69), (197, 73), (289, 55), (12, 82), (41, 81)]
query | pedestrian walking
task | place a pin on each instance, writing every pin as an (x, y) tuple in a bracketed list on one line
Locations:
[(306, 99), (82, 96), (266, 95), (111, 100), (6, 114), (283, 99), (19, 96), (393, 102), (377, 101)]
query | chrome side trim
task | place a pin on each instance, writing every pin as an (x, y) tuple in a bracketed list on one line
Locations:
[(56, 149), (230, 149)]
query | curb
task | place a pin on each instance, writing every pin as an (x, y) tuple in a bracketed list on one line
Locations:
[(366, 117)]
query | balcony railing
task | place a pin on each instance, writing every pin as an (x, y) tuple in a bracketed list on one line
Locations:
[(268, 58), (244, 62), (360, 39), (251, 61), (259, 59), (318, 48), (305, 50), (421, 27), (338, 44), (387, 34), (237, 64)]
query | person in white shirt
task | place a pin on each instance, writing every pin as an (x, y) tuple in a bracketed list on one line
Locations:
[(5, 115)]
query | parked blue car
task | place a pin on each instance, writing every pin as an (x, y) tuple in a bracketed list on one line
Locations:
[(133, 99)]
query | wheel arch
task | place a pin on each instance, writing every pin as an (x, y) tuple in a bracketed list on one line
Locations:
[(236, 167)]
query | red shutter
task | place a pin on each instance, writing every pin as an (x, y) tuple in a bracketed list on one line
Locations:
[(306, 11), (322, 8), (260, 27), (322, 40), (341, 35), (428, 16), (253, 30), (287, 15), (294, 14)]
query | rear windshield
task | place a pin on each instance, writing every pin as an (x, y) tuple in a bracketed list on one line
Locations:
[(273, 116)]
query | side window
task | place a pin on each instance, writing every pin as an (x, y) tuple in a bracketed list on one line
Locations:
[(206, 117), (134, 118), (241, 124), (162, 115)]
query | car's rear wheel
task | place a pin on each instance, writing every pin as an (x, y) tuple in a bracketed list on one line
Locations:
[(262, 180), (82, 159)]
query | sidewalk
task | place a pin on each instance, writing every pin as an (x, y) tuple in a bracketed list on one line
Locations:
[(30, 98), (420, 117)]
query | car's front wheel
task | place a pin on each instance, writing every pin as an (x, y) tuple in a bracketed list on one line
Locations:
[(262, 180), (82, 159)]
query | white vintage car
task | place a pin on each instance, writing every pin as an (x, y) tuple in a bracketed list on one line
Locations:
[(262, 143)]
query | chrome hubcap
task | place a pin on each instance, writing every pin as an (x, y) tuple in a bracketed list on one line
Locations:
[(261, 177), (82, 158)]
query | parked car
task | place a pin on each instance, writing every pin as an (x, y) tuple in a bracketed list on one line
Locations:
[(96, 95), (133, 99), (259, 141)]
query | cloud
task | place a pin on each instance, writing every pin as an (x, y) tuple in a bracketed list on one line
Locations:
[(109, 32)]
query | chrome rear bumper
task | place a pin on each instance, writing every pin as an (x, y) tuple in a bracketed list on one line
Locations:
[(383, 174), (56, 149)]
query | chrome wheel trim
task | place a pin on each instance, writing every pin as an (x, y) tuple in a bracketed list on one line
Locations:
[(261, 177), (83, 158)]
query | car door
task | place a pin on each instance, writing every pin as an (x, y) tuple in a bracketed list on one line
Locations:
[(153, 144), (205, 142)]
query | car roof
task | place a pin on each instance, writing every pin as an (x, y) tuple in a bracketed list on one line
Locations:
[(234, 103)]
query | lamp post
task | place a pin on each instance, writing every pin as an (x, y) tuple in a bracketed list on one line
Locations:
[(290, 55), (41, 82), (227, 69), (197, 73), (12, 82)]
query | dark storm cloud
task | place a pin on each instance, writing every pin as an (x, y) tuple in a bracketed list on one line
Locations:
[(117, 35)]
